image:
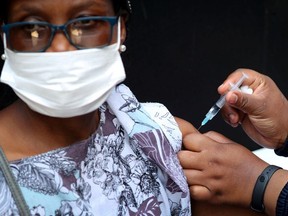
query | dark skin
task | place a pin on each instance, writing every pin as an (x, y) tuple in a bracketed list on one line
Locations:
[(38, 133), (24, 132), (200, 206), (222, 172)]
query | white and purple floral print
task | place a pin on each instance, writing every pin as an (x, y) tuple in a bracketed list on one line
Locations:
[(127, 167)]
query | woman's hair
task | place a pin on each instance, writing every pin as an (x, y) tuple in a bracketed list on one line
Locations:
[(3, 10), (122, 7)]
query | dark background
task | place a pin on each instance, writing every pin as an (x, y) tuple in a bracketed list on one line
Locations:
[(180, 51)]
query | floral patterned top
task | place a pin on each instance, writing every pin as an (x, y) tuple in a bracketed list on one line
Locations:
[(127, 167)]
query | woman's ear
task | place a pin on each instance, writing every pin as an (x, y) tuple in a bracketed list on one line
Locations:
[(123, 30)]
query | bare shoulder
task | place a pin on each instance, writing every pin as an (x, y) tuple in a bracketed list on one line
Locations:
[(5, 119), (9, 131), (185, 126)]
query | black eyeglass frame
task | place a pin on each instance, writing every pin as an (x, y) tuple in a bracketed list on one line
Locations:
[(112, 20)]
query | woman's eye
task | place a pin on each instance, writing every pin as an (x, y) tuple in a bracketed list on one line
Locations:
[(32, 27), (87, 24), (82, 23)]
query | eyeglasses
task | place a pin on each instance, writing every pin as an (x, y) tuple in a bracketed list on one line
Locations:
[(82, 33)]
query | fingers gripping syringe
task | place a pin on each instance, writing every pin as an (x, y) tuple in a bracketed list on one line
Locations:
[(221, 101)]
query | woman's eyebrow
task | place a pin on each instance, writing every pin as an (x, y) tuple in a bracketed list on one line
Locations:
[(38, 9), (101, 6)]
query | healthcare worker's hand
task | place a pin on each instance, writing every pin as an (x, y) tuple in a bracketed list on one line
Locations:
[(263, 114), (221, 171)]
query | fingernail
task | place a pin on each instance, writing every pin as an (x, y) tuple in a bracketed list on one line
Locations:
[(234, 125), (221, 86), (233, 99), (232, 118)]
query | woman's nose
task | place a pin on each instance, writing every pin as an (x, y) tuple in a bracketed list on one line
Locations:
[(60, 43)]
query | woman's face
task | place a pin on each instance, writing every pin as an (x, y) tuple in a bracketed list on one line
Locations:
[(58, 12)]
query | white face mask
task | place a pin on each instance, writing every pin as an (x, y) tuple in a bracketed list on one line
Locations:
[(64, 84)]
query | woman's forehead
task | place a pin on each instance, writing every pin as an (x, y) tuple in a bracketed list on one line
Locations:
[(62, 4), (119, 6), (54, 8)]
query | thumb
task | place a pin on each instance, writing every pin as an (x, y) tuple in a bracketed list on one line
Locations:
[(247, 103)]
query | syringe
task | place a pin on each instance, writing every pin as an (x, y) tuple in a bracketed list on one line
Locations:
[(221, 101)]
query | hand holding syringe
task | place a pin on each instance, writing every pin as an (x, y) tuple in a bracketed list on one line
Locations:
[(221, 101)]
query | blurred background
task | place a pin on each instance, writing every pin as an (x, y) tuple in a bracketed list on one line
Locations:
[(179, 52)]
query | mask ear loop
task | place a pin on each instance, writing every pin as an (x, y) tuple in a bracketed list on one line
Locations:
[(120, 47), (4, 56)]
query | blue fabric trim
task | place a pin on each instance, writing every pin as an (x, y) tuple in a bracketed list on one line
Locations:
[(283, 151)]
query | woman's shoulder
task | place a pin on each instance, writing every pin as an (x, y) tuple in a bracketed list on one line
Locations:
[(7, 127)]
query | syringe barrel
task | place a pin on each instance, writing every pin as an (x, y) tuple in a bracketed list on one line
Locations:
[(213, 111), (221, 101)]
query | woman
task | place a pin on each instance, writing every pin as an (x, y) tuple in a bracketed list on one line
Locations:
[(79, 142)]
